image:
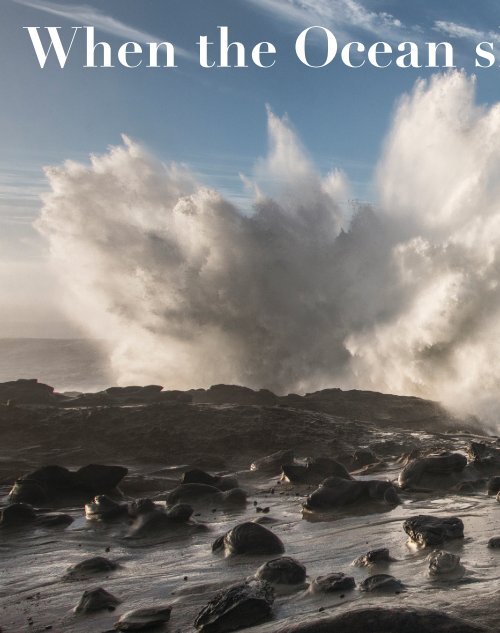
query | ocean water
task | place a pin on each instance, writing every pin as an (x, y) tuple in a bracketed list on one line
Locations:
[(66, 364)]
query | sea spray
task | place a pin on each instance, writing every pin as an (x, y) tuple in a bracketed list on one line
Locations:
[(188, 290)]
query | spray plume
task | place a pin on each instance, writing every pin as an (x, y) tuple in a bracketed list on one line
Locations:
[(187, 290)]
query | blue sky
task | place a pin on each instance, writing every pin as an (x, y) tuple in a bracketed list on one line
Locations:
[(212, 119)]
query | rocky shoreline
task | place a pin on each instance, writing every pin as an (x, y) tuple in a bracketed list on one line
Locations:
[(223, 509)]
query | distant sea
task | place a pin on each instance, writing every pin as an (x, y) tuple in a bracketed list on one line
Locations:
[(66, 364)]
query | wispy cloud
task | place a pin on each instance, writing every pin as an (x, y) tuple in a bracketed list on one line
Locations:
[(345, 15), (20, 190), (460, 31), (90, 16)]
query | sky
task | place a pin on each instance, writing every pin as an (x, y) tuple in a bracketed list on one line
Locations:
[(213, 120)]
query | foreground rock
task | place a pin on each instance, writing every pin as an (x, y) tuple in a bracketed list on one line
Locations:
[(28, 391), (374, 557), (143, 619), (382, 583), (56, 484), (90, 567), (249, 538), (332, 583), (238, 607), (445, 564), (22, 515), (336, 492), (384, 620), (96, 600), (282, 571), (484, 458), (434, 472), (429, 531)]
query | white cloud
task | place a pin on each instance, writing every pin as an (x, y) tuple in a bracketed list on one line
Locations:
[(344, 15), (90, 16), (461, 31)]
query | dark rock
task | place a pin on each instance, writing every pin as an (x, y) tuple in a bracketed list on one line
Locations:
[(238, 607), (430, 531), (249, 538), (28, 491), (384, 620), (96, 600), (374, 557), (53, 477), (28, 391), (335, 492), (494, 542), (17, 515), (98, 478), (181, 512), (382, 582), (89, 567), (141, 619), (332, 582), (434, 472), (282, 571), (442, 563), (53, 483)]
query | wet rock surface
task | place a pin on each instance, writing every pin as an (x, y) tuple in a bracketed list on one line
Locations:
[(380, 620), (143, 619), (435, 471), (430, 531), (332, 582), (383, 583), (444, 563), (53, 484), (90, 567), (166, 441), (336, 492), (282, 571), (250, 539), (236, 608), (374, 557), (96, 600)]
